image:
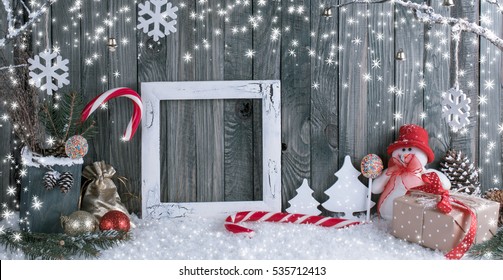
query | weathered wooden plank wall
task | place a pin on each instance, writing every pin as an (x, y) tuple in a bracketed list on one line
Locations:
[(342, 90)]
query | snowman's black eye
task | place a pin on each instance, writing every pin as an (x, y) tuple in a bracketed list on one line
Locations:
[(403, 150), (410, 149)]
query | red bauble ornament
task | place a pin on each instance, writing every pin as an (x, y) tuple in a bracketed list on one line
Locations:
[(115, 220)]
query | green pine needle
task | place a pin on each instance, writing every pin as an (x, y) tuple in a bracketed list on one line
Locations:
[(491, 249), (61, 118), (58, 246)]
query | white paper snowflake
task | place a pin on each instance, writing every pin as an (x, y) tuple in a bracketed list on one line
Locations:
[(49, 74), (456, 109), (152, 13)]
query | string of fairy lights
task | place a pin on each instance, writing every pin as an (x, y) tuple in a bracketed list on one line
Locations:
[(224, 15)]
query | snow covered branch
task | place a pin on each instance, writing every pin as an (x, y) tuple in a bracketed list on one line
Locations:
[(426, 14), (13, 31), (10, 67), (498, 4)]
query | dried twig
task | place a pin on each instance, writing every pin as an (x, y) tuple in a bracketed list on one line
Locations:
[(13, 31)]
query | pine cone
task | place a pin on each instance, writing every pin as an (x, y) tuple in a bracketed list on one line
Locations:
[(461, 172), (50, 179), (497, 196), (65, 182)]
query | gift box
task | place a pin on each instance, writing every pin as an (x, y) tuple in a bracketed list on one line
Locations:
[(417, 219)]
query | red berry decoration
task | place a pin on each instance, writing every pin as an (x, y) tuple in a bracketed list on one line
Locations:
[(115, 220)]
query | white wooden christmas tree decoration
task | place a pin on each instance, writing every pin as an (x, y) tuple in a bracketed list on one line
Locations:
[(159, 13), (304, 202), (48, 71), (348, 194)]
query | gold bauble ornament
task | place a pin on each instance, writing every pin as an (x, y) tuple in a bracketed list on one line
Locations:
[(79, 222)]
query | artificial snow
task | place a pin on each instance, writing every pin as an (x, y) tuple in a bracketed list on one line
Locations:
[(35, 160), (194, 238)]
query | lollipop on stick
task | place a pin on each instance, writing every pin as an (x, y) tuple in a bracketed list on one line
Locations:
[(371, 167)]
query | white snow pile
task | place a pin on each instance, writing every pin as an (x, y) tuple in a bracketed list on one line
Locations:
[(206, 238)]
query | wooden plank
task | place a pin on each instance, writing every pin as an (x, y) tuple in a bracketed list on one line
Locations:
[(209, 114), (469, 62), (436, 80), (296, 99), (6, 136), (66, 36), (95, 75), (491, 114), (181, 151), (266, 66), (324, 101), (409, 36), (152, 66), (381, 66), (353, 61), (124, 156), (179, 158), (238, 114)]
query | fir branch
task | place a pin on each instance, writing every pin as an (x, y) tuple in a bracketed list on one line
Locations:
[(71, 115), (88, 129), (491, 249), (47, 119), (56, 246), (62, 120)]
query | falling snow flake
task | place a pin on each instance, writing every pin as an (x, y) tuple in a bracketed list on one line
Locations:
[(376, 63), (152, 10), (50, 74)]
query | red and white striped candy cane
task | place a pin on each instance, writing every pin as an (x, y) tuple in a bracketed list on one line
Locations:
[(231, 223), (113, 93)]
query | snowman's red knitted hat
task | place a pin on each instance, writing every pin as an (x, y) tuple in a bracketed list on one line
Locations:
[(411, 135)]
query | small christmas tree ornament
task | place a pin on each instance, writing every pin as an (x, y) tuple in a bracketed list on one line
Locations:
[(65, 182), (49, 71), (304, 202), (496, 195), (79, 222), (461, 172), (161, 14), (348, 194), (76, 147), (115, 220), (456, 109), (51, 178)]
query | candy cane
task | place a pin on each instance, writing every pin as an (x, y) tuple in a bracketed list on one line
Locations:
[(113, 93), (231, 223)]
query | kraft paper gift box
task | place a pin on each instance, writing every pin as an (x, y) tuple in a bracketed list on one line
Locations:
[(417, 219)]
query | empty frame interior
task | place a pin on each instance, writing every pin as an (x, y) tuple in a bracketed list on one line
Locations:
[(211, 150)]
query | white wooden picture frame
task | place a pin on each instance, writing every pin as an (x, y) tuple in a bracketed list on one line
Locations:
[(154, 92)]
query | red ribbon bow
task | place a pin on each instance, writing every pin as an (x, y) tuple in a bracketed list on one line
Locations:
[(408, 169), (434, 186)]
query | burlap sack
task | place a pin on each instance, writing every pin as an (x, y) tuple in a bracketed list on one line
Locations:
[(100, 192)]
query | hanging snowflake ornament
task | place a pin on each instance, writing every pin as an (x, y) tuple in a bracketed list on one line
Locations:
[(456, 109), (48, 71), (159, 13)]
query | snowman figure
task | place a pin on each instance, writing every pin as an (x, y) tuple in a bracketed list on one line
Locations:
[(409, 156)]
